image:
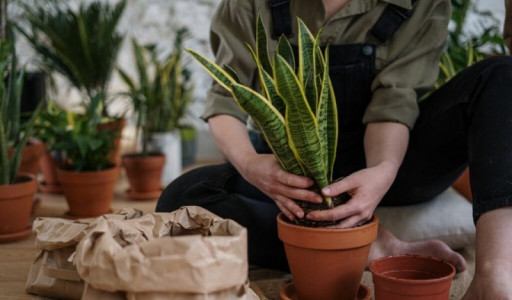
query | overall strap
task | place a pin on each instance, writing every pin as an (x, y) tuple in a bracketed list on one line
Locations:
[(390, 20), (281, 18)]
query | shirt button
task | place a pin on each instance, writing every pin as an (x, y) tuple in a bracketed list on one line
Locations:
[(367, 50)]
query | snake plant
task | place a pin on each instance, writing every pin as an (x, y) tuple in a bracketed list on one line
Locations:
[(12, 133), (296, 108)]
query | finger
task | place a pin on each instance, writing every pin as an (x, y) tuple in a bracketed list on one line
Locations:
[(338, 187), (285, 211), (339, 212), (290, 206), (300, 194), (350, 222), (293, 180)]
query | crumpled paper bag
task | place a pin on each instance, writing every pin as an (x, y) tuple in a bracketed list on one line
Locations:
[(51, 274), (187, 254)]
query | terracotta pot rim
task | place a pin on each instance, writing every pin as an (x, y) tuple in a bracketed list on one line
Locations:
[(413, 281), (87, 172), (22, 175), (138, 155), (370, 223)]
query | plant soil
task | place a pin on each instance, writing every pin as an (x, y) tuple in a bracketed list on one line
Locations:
[(308, 207)]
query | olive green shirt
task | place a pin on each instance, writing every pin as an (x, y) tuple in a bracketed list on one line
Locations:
[(408, 62)]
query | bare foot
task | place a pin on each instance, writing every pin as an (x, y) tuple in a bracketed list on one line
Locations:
[(387, 244)]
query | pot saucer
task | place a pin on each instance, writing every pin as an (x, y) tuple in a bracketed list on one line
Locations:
[(12, 237), (132, 195), (288, 292), (50, 188), (69, 216)]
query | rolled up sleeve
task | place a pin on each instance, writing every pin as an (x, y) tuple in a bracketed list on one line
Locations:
[(231, 30), (415, 51)]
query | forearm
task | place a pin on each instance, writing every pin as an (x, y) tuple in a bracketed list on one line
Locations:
[(385, 145), (232, 138)]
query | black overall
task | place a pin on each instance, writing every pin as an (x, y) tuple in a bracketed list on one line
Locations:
[(467, 120)]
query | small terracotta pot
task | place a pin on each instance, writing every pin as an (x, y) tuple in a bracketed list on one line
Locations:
[(462, 185), (116, 126), (49, 166), (326, 263), (89, 194), (411, 277), (16, 206), (144, 174), (30, 156)]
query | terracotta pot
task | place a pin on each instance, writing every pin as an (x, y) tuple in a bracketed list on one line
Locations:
[(326, 263), (144, 174), (89, 194), (49, 165), (411, 277), (462, 185), (30, 156), (288, 293), (16, 207), (116, 126)]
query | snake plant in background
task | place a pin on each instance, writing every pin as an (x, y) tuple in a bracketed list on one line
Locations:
[(12, 133), (163, 91), (82, 46), (296, 109)]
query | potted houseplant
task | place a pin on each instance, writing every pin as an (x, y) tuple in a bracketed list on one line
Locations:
[(17, 190), (50, 124), (144, 169), (167, 103), (300, 126), (86, 174), (82, 46)]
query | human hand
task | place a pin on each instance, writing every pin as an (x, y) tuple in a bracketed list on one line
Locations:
[(264, 172), (366, 188)]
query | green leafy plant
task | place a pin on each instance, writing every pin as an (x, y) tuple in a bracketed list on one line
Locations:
[(464, 48), (296, 110), (160, 99), (82, 146), (82, 46), (12, 133)]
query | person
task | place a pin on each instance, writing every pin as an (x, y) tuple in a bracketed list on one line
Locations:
[(392, 150)]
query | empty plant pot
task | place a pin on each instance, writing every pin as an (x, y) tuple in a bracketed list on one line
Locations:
[(411, 277), (326, 263), (144, 174), (30, 156)]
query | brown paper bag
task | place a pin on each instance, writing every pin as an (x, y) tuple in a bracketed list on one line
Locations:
[(52, 274), (187, 254)]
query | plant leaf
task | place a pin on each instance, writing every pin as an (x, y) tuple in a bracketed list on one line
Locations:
[(216, 72), (262, 45), (301, 126), (271, 124), (306, 70)]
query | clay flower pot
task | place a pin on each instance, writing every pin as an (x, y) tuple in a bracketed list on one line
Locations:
[(144, 174), (116, 126), (15, 208), (326, 263), (462, 185), (49, 166), (89, 194), (30, 156), (411, 277)]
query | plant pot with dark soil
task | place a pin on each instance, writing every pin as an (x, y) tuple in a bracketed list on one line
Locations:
[(17, 189), (144, 172), (406, 277), (301, 127), (86, 175)]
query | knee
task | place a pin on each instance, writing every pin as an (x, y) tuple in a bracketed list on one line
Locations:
[(170, 198), (499, 67)]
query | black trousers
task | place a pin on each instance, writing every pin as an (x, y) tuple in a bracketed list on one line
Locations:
[(467, 121)]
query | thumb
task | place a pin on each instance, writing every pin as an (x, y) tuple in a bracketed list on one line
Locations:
[(339, 187)]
